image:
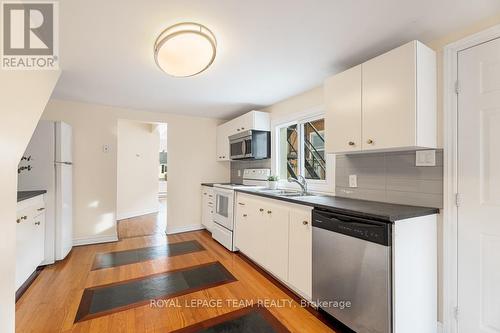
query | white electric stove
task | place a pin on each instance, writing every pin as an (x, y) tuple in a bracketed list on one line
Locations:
[(224, 204)]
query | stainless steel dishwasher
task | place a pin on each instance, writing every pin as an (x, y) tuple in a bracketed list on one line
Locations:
[(352, 263)]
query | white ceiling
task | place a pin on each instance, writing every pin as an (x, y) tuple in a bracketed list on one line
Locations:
[(268, 50)]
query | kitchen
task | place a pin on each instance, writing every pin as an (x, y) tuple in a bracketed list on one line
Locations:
[(326, 203)]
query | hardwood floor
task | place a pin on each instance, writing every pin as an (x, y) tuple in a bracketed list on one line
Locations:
[(51, 302), (144, 225)]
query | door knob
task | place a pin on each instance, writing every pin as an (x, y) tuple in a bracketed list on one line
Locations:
[(269, 212), (370, 141), (261, 209), (37, 223)]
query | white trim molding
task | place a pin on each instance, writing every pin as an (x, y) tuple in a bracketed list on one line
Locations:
[(94, 240), (450, 145), (186, 228)]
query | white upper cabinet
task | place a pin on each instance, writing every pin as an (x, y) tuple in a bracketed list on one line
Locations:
[(253, 120), (343, 120), (222, 143), (393, 107)]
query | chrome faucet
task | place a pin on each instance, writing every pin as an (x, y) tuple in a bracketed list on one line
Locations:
[(301, 181)]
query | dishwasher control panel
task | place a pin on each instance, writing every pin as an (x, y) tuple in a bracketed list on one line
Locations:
[(366, 229)]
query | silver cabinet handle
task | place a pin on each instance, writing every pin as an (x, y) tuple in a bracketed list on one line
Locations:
[(241, 203), (352, 143), (305, 222), (269, 212), (24, 217), (370, 141), (40, 209), (37, 223), (18, 221), (261, 209)]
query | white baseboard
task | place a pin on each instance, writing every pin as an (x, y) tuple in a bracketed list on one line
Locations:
[(94, 240), (176, 230), (128, 215), (440, 327)]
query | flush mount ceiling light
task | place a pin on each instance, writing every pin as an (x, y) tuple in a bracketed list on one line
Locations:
[(185, 49)]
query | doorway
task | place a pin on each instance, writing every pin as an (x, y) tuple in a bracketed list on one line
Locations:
[(141, 178), (477, 182)]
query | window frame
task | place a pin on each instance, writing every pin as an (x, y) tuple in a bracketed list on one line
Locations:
[(326, 185)]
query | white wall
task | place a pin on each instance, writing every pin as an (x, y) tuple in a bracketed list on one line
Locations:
[(22, 100), (137, 168), (191, 149)]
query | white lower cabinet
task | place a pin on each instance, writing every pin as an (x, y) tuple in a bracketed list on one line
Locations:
[(207, 208), (274, 234), (300, 250), (30, 237)]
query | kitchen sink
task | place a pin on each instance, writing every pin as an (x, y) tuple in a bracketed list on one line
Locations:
[(297, 194), (286, 193)]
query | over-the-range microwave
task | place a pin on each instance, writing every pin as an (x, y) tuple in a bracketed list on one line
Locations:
[(250, 145)]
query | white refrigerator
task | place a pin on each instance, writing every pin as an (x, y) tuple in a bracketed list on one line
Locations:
[(50, 158)]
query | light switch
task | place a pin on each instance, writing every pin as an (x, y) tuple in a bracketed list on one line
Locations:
[(353, 181), (425, 158)]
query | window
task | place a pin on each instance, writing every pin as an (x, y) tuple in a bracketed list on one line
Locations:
[(301, 150)]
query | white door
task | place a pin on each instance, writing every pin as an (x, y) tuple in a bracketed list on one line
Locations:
[(479, 186)]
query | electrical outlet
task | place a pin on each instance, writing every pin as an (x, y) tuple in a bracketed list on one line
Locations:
[(425, 158), (353, 181)]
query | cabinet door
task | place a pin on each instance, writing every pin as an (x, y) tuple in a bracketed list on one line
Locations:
[(242, 227), (24, 250), (389, 99), (343, 111), (242, 123), (38, 240), (300, 251), (222, 143), (204, 207), (276, 239)]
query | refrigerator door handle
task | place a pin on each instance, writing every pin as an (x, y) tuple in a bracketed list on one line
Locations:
[(67, 163)]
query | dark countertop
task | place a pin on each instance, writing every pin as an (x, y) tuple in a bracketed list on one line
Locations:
[(25, 195), (361, 208), (208, 184)]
